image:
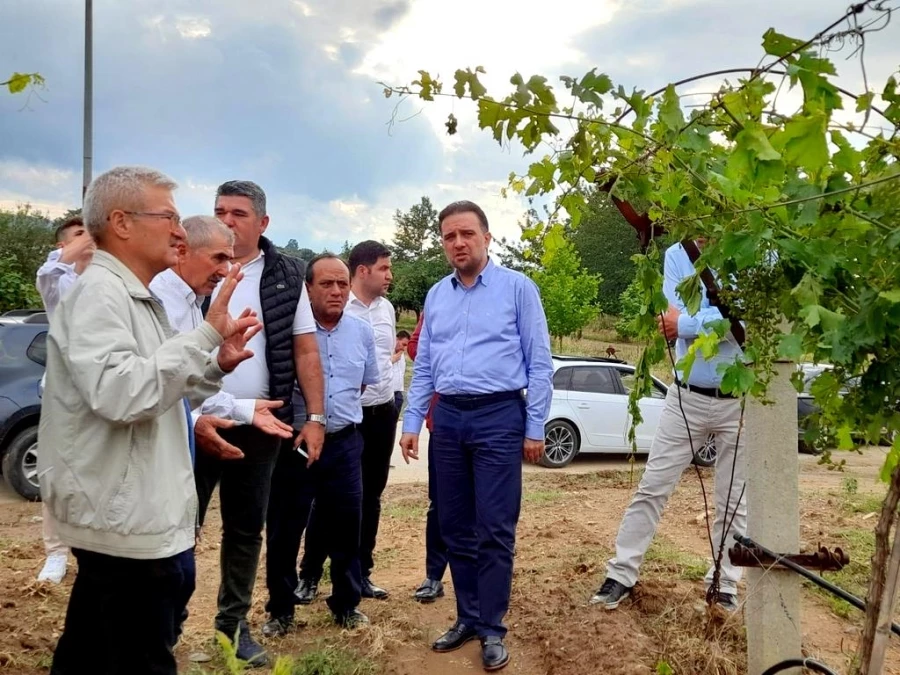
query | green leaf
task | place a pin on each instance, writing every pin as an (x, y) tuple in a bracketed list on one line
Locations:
[(737, 378), (805, 143), (845, 437), (864, 102), (892, 295), (790, 346), (891, 461), (689, 292), (670, 110), (815, 315), (755, 140), (779, 45), (18, 81), (466, 78)]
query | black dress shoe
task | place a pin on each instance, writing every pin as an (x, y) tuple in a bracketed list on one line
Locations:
[(429, 591), (494, 654), (370, 590), (306, 592), (458, 635), (352, 619)]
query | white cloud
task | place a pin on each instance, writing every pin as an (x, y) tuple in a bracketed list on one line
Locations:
[(193, 28)]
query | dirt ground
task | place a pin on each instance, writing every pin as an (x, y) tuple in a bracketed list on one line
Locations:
[(566, 533)]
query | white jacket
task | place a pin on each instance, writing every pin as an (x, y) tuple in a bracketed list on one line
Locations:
[(114, 463)]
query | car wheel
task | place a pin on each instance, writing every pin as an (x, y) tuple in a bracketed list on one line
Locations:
[(560, 444), (20, 464), (706, 454)]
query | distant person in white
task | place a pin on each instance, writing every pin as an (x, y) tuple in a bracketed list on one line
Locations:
[(74, 251), (398, 367), (203, 261)]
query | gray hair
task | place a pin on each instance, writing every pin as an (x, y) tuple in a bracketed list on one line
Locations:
[(245, 188), (201, 230), (119, 188)]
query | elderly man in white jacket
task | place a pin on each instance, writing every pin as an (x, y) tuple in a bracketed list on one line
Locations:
[(114, 440)]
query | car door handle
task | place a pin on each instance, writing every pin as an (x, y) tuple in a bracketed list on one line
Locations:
[(584, 406)]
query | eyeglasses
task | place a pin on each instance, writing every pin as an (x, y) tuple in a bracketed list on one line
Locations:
[(173, 218)]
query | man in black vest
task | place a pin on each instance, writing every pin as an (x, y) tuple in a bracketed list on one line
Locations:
[(284, 352)]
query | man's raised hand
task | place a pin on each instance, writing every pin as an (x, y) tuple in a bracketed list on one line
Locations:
[(234, 350), (265, 421)]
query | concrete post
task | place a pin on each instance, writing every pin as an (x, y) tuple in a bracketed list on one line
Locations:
[(772, 608)]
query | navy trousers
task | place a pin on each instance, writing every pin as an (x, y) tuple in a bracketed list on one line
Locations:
[(477, 452), (124, 615), (334, 482), (435, 548), (379, 430)]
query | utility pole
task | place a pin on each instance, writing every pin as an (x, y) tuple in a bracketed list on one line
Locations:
[(772, 608), (88, 95)]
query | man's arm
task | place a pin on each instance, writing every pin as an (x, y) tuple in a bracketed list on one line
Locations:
[(413, 345), (228, 407), (535, 338), (54, 279), (370, 374), (108, 369), (421, 388), (689, 327)]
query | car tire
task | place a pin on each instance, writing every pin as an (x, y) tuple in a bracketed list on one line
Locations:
[(20, 462), (561, 444), (706, 454)]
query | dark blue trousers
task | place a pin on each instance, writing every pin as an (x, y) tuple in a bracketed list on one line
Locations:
[(435, 548), (334, 482), (477, 452)]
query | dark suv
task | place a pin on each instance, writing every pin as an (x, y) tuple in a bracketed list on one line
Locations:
[(23, 355)]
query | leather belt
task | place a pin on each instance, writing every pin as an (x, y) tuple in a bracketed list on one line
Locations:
[(341, 433), (711, 392), (472, 401)]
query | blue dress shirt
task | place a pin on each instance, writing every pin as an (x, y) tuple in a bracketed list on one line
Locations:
[(678, 266), (489, 338), (348, 359)]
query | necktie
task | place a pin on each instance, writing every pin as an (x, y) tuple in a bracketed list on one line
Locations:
[(190, 425)]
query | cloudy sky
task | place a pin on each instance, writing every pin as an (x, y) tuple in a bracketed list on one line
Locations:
[(284, 92)]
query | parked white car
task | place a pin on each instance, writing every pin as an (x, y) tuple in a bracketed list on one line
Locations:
[(589, 412)]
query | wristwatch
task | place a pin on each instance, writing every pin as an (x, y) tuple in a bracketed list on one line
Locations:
[(318, 419)]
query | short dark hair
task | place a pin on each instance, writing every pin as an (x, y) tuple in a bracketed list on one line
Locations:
[(315, 259), (245, 188), (403, 335), (71, 221), (367, 253), (464, 206)]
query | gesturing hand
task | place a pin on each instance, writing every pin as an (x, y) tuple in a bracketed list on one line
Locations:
[(265, 421), (234, 350), (218, 316), (206, 434), (409, 446)]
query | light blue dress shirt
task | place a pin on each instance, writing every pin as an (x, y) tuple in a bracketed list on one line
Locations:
[(486, 339), (348, 359), (677, 267)]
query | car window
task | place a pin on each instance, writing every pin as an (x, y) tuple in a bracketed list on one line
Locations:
[(561, 378), (37, 350), (594, 380), (628, 378)]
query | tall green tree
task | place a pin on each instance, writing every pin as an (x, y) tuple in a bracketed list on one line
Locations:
[(26, 237), (568, 291), (605, 242), (418, 258)]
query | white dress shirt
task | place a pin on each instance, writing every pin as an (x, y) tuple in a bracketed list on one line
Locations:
[(251, 378), (182, 307), (398, 370), (380, 315), (54, 279)]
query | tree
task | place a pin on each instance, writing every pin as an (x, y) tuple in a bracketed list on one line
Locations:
[(26, 237), (605, 242), (797, 216), (568, 291), (418, 258), (293, 249), (525, 254)]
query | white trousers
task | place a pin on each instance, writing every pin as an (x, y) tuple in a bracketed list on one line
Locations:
[(670, 455), (52, 544)]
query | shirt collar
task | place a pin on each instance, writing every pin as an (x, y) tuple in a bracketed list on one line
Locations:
[(372, 305), (484, 276), (332, 330)]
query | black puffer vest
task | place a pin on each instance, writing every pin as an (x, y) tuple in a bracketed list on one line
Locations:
[(279, 292)]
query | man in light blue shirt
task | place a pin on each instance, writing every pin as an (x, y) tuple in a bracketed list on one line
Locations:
[(696, 409), (483, 341), (334, 480)]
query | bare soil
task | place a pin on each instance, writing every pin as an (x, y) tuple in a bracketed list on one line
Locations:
[(566, 533)]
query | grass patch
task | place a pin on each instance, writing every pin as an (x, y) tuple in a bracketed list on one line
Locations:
[(321, 659), (854, 578), (540, 497), (405, 510), (666, 559)]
